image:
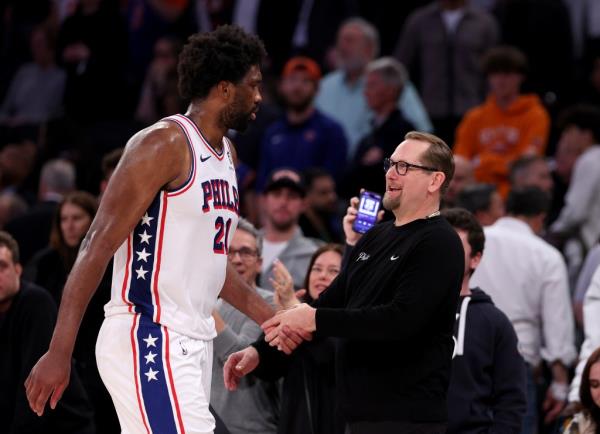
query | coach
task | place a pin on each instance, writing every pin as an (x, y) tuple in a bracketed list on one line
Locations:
[(393, 305)]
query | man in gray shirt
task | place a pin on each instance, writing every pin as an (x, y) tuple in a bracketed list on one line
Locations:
[(254, 407)]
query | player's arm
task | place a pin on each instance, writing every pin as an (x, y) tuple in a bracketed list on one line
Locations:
[(240, 295), (154, 158)]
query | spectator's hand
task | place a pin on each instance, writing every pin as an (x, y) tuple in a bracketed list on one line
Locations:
[(286, 330), (352, 236), (239, 364), (48, 379), (555, 401), (284, 296)]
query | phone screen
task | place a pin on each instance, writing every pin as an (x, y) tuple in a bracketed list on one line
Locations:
[(368, 208)]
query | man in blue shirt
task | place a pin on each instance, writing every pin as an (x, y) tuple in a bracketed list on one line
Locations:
[(304, 137)]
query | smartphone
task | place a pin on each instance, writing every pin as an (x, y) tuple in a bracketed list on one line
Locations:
[(368, 207)]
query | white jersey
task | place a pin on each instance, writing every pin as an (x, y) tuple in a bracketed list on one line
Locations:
[(172, 266)]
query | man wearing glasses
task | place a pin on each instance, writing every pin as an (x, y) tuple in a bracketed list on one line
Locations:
[(392, 307), (254, 407)]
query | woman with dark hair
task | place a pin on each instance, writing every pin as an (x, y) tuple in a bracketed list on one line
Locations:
[(308, 404), (323, 267), (50, 267), (587, 421)]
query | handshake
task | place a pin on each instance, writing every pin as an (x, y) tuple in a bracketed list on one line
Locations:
[(286, 331)]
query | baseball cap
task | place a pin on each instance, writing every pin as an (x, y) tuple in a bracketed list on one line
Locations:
[(302, 63), (285, 178)]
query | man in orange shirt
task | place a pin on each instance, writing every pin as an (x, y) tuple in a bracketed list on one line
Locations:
[(507, 125)]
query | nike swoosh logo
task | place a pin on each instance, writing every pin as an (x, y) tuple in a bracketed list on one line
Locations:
[(203, 158), (393, 258)]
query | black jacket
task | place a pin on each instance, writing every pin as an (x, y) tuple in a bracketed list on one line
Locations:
[(487, 388), (393, 307), (25, 332), (308, 396)]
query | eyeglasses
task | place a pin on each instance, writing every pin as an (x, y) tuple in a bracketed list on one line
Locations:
[(245, 253), (402, 166)]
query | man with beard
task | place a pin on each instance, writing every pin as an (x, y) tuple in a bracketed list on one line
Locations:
[(392, 307), (304, 137), (167, 215), (283, 240)]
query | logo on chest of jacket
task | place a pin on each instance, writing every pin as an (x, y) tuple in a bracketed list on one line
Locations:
[(363, 256)]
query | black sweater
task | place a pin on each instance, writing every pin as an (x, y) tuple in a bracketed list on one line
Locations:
[(488, 388), (393, 307)]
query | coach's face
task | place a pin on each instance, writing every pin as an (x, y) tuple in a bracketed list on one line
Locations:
[(10, 273), (245, 98), (415, 185)]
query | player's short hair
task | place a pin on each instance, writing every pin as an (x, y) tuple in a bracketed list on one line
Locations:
[(460, 218), (226, 54), (438, 155), (6, 240), (246, 226)]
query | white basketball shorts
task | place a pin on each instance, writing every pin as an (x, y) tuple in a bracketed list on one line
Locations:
[(159, 380)]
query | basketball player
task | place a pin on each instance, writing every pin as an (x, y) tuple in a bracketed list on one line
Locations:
[(168, 214)]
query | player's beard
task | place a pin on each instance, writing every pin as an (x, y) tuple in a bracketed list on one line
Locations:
[(236, 116)]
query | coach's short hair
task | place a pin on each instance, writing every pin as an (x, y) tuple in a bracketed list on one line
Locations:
[(226, 54), (438, 155)]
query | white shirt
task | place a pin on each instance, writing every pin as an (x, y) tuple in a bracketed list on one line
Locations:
[(591, 329), (271, 250), (527, 279), (582, 202)]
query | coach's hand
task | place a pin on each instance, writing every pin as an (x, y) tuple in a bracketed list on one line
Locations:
[(48, 379), (352, 236), (289, 328), (239, 364)]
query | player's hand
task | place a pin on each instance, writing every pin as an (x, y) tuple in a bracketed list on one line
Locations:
[(48, 379), (288, 329), (239, 364)]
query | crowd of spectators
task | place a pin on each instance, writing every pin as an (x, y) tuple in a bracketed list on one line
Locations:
[(513, 86)]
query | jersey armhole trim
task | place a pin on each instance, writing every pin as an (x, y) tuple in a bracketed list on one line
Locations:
[(192, 175)]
